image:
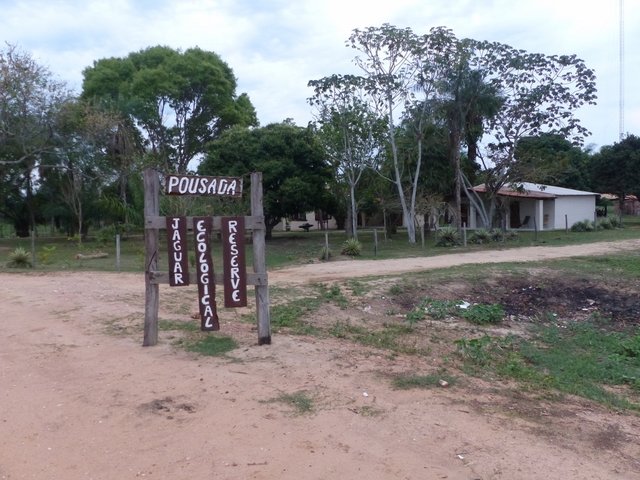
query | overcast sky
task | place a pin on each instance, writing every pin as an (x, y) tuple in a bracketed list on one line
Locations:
[(276, 46)]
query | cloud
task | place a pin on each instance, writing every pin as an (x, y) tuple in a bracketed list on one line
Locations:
[(276, 46)]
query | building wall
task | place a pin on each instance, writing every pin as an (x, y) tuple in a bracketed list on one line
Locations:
[(577, 209)]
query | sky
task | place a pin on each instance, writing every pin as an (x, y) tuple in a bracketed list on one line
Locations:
[(276, 46)]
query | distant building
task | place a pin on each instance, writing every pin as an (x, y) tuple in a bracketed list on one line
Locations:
[(543, 207)]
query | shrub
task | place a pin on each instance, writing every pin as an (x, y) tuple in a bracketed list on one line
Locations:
[(616, 222), (44, 256), (510, 235), (604, 224), (497, 235), (19, 258), (583, 226), (106, 235), (351, 247), (480, 236), (448, 237), (483, 314), (325, 254)]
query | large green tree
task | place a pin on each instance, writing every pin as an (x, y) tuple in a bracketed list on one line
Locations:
[(179, 100), (291, 159), (616, 168), (349, 131), (31, 100), (553, 160), (403, 71), (540, 94)]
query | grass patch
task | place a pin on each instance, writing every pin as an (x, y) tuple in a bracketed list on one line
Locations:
[(213, 346), (407, 382), (301, 402), (290, 315), (578, 359), (169, 325), (396, 338)]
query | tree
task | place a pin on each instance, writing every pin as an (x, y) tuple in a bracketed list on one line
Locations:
[(30, 102), (467, 101), (616, 168), (551, 159), (295, 173), (540, 93), (349, 131), (403, 71), (179, 100)]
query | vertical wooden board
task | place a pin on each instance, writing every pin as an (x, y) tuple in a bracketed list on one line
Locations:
[(152, 290), (178, 251), (259, 262), (234, 262), (202, 227)]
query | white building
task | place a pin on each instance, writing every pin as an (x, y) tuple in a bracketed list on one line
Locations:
[(543, 207)]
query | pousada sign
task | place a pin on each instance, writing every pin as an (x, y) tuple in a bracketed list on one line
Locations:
[(202, 185)]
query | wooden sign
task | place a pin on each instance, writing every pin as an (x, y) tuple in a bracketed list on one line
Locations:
[(205, 186), (177, 248), (233, 257), (202, 227)]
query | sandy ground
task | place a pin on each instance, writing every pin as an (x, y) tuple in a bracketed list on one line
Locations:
[(80, 401)]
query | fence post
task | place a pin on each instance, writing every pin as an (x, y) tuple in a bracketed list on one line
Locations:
[(259, 261), (118, 252), (152, 290), (566, 223), (535, 229), (375, 242), (464, 233), (33, 248), (326, 246)]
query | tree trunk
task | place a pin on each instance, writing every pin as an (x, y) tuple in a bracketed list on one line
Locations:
[(354, 211)]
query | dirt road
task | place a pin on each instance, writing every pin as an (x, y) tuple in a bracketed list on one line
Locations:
[(81, 399)]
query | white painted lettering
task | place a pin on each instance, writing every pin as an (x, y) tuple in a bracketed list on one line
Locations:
[(173, 183), (231, 189)]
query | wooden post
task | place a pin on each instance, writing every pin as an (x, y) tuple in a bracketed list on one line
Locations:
[(33, 248), (535, 229), (118, 252), (259, 261), (152, 290), (464, 234), (422, 233), (566, 223), (375, 242), (326, 246)]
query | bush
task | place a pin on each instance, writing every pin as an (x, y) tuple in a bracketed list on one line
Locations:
[(106, 235), (604, 224), (497, 235), (510, 235), (480, 236), (448, 237), (19, 258), (482, 314), (351, 247), (583, 226), (325, 254), (616, 222)]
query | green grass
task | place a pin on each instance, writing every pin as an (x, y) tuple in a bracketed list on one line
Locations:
[(578, 359), (213, 346), (392, 337), (284, 249), (301, 402), (409, 381)]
